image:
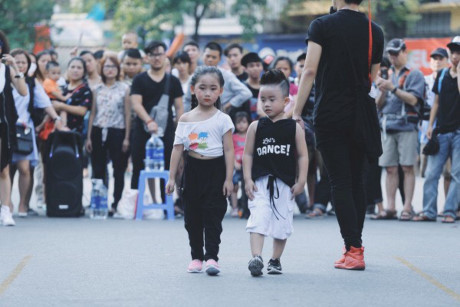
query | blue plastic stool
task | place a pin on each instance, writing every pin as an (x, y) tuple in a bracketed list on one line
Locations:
[(168, 206)]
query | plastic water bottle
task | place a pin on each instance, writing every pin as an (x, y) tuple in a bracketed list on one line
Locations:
[(99, 208), (103, 199), (159, 154), (149, 153), (95, 199)]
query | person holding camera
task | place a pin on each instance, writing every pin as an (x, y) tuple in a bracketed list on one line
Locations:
[(400, 102), (9, 77), (446, 111)]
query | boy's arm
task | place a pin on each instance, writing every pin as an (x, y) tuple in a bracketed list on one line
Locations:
[(229, 154), (247, 160), (302, 160), (176, 155), (58, 95)]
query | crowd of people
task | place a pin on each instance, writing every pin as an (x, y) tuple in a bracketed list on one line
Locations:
[(106, 97), (238, 129)]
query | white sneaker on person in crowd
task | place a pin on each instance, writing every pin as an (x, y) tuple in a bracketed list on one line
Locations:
[(22, 214), (7, 216), (234, 213)]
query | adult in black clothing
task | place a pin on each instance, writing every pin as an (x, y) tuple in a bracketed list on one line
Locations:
[(146, 90), (338, 56), (9, 76)]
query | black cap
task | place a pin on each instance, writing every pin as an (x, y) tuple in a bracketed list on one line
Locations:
[(395, 45), (454, 44), (439, 52), (250, 58)]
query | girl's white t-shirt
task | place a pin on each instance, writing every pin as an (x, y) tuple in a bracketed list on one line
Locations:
[(205, 137)]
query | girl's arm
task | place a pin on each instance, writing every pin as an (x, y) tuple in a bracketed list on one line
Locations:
[(302, 160), (229, 154), (176, 155), (89, 145), (247, 160), (127, 122)]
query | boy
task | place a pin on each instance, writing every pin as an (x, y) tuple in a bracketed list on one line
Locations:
[(53, 91), (254, 67), (51, 83), (269, 167)]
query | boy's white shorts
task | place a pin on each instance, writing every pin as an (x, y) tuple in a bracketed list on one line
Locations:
[(263, 219)]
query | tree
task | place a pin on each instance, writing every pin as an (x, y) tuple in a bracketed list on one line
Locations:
[(396, 16), (246, 11), (19, 18)]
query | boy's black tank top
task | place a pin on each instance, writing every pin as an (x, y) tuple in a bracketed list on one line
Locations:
[(275, 150)]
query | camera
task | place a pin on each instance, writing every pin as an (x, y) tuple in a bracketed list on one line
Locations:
[(384, 73)]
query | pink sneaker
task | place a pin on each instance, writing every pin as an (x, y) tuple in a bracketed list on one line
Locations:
[(212, 267), (195, 266)]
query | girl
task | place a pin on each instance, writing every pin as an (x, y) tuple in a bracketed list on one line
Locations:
[(93, 77), (182, 63), (239, 138), (284, 64), (206, 133), (274, 145), (42, 59), (108, 129)]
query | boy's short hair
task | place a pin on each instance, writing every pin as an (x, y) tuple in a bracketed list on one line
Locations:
[(250, 57), (132, 53), (191, 43), (233, 46), (276, 77), (183, 57), (154, 45), (52, 64), (99, 54), (214, 46), (301, 57)]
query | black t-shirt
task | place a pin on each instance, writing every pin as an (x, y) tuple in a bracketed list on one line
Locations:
[(449, 103), (243, 77), (81, 96), (151, 92), (275, 150), (335, 81)]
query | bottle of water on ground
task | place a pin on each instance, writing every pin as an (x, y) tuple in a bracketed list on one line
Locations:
[(154, 153), (99, 209)]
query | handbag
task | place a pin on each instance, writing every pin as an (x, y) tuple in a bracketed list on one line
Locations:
[(366, 128), (159, 113), (432, 147), (25, 140)]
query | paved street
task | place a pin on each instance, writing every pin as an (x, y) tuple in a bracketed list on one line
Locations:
[(83, 262)]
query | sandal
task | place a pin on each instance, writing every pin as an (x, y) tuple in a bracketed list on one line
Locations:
[(406, 216), (385, 215), (448, 219), (422, 217), (315, 213)]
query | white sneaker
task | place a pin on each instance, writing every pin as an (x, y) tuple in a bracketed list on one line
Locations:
[(7, 217)]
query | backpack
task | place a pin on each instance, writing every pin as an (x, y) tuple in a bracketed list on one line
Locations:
[(424, 109)]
